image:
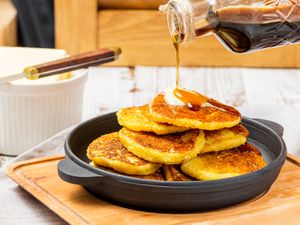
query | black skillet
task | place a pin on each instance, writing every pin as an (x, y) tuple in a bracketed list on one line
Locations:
[(171, 196)]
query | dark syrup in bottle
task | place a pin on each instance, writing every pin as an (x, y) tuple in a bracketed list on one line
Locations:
[(242, 36)]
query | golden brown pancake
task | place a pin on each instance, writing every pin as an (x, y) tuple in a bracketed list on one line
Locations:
[(138, 119), (223, 139), (223, 164), (174, 173), (207, 118), (157, 175), (167, 149), (108, 151)]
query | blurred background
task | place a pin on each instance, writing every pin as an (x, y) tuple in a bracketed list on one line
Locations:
[(135, 25), (263, 84)]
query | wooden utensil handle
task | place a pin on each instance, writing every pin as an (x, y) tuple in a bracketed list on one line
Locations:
[(79, 61)]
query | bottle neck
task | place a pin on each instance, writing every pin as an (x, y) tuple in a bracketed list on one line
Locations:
[(185, 17)]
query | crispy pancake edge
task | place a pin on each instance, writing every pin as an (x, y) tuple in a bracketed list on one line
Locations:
[(218, 171), (126, 168), (173, 174), (152, 126), (157, 156), (230, 138), (225, 144), (192, 123), (120, 166), (157, 175)]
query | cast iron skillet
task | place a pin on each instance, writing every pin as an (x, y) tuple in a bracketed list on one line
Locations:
[(171, 196)]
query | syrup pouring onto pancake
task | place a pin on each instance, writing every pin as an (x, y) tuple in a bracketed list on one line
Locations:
[(189, 98)]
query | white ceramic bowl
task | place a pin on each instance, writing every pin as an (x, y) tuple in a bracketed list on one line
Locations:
[(32, 112)]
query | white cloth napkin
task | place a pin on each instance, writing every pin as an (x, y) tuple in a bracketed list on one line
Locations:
[(18, 206)]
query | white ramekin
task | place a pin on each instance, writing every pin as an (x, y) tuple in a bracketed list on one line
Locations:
[(30, 114)]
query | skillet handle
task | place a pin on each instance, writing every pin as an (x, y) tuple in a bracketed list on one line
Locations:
[(73, 173), (273, 125)]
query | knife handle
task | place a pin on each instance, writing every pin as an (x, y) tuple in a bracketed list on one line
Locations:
[(74, 62)]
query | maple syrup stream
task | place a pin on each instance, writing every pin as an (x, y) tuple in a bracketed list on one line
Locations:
[(191, 98)]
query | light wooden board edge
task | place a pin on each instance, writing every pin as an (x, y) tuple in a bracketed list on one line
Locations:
[(66, 213), (293, 159), (12, 167), (49, 201)]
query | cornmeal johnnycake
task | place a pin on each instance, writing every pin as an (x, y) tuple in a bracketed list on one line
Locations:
[(139, 119), (223, 164), (223, 139), (214, 115), (167, 149), (108, 151), (157, 175), (173, 173)]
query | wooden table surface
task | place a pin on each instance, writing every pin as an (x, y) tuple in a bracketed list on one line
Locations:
[(266, 93)]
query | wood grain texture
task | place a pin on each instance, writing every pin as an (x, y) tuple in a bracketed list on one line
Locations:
[(107, 90), (76, 25), (283, 88), (234, 86), (8, 23), (145, 40), (78, 61), (77, 206), (130, 4)]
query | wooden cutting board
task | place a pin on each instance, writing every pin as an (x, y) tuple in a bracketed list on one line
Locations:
[(280, 205)]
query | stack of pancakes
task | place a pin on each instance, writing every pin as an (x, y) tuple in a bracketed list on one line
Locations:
[(177, 143)]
